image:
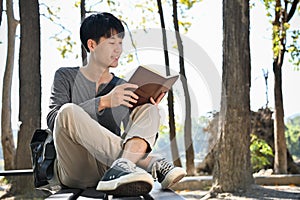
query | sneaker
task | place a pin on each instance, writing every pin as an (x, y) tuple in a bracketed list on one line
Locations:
[(166, 173), (124, 179)]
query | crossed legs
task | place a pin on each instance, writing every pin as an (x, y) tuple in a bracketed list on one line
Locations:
[(85, 148)]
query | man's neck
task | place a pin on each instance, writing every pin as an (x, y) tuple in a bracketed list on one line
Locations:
[(97, 75)]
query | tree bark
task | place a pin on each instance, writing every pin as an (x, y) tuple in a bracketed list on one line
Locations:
[(233, 170), (188, 141), (279, 31), (173, 142), (7, 139), (280, 157), (82, 16), (30, 89), (262, 125), (1, 10)]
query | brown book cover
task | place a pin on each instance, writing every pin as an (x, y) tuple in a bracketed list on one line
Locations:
[(151, 84)]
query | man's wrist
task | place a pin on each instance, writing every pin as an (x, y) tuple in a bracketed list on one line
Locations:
[(103, 103)]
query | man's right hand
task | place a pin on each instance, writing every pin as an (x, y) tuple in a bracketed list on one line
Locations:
[(120, 95)]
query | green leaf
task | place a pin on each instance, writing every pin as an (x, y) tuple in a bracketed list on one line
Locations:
[(261, 152), (77, 4)]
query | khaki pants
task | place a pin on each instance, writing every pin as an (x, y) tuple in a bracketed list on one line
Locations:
[(85, 149)]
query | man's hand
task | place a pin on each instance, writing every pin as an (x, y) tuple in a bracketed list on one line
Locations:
[(158, 100), (120, 95)]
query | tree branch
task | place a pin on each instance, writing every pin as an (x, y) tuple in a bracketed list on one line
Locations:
[(1, 10), (292, 10), (277, 13)]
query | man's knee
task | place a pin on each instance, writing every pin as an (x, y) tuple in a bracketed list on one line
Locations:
[(66, 115), (68, 108), (150, 111), (68, 111)]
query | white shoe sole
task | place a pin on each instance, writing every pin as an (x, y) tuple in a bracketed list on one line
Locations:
[(134, 184), (173, 177)]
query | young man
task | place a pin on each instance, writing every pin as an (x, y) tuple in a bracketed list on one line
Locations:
[(88, 104)]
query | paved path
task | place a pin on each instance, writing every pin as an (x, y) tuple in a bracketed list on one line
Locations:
[(273, 187)]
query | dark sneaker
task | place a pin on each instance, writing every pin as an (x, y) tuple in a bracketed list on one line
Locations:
[(166, 173), (124, 179)]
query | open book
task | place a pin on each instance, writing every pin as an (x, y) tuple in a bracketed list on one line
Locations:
[(151, 84)]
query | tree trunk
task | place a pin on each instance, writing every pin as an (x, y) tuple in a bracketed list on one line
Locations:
[(280, 157), (233, 167), (172, 126), (82, 16), (1, 10), (30, 89), (7, 139), (174, 146), (188, 141), (279, 31), (262, 125)]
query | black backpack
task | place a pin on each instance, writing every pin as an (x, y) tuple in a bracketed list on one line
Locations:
[(43, 157)]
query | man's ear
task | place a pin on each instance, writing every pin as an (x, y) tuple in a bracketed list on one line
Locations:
[(91, 44)]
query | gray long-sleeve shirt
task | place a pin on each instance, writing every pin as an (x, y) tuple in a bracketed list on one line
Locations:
[(71, 86)]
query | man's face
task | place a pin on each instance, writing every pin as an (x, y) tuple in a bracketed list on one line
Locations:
[(108, 51)]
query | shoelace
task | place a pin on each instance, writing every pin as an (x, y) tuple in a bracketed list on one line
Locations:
[(162, 166), (126, 166), (165, 167)]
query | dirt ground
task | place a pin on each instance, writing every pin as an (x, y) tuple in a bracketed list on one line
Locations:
[(256, 192)]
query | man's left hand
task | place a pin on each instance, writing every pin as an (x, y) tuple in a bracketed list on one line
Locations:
[(158, 100)]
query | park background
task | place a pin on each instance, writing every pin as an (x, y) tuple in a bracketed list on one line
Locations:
[(205, 30)]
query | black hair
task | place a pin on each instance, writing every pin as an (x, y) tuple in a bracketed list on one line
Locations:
[(100, 25)]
